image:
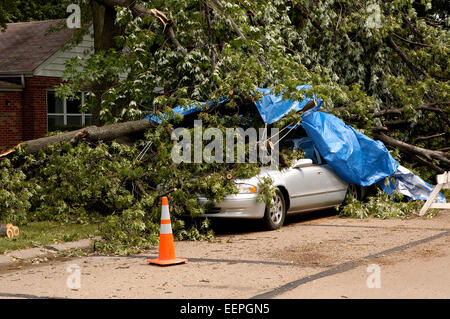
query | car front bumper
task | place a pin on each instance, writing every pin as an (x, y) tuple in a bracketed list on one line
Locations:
[(236, 206)]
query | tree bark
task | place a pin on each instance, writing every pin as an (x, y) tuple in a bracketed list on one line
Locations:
[(6, 230), (105, 30), (92, 133), (104, 26)]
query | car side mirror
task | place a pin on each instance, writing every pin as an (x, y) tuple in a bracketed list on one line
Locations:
[(304, 162)]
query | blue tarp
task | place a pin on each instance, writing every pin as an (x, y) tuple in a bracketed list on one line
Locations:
[(273, 108), (407, 183), (183, 110), (179, 109), (356, 158)]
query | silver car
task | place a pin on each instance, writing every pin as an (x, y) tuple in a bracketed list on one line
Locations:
[(309, 185)]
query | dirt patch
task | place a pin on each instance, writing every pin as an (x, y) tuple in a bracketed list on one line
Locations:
[(322, 254), (411, 255)]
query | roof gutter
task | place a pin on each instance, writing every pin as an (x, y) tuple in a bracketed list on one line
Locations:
[(14, 87), (17, 73)]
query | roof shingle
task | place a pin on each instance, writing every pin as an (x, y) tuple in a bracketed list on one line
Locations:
[(25, 45)]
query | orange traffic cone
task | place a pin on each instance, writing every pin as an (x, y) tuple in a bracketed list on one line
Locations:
[(166, 247)]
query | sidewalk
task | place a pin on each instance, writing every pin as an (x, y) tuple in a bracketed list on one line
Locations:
[(44, 251)]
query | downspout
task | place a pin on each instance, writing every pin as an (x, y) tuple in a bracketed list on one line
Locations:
[(22, 78)]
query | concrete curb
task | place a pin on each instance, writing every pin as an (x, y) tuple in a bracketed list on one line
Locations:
[(44, 251)]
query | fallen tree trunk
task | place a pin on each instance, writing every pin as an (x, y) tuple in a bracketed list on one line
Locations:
[(6, 230), (92, 133)]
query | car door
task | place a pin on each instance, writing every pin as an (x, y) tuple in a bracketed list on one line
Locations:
[(333, 189), (312, 187)]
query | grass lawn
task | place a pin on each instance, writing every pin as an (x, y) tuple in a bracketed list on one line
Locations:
[(47, 233)]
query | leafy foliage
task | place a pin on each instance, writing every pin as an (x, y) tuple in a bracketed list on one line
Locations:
[(14, 196), (23, 10), (382, 206)]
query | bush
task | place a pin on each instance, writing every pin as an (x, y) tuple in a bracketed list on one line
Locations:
[(15, 195)]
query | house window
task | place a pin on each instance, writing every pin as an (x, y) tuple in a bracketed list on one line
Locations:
[(63, 114)]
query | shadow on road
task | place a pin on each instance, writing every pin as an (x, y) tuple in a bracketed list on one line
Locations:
[(304, 217), (225, 226)]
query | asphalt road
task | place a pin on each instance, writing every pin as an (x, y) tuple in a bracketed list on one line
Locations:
[(314, 256)]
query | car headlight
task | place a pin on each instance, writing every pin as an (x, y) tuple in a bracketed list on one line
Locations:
[(246, 188)]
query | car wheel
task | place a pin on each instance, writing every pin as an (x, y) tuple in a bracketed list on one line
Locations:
[(356, 192), (275, 215), (352, 191)]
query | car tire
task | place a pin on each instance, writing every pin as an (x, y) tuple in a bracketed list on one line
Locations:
[(356, 192), (274, 216)]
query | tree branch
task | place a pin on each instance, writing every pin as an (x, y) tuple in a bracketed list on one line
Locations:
[(423, 138), (304, 12), (411, 27), (140, 11), (420, 160), (426, 107), (388, 112), (430, 107), (408, 148), (210, 39), (405, 59), (217, 6), (412, 42)]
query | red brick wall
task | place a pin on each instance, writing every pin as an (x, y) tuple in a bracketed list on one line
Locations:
[(18, 125), (35, 104), (10, 119)]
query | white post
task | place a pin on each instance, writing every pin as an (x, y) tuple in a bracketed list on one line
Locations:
[(443, 181)]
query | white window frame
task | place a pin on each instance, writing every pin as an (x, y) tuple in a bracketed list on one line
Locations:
[(65, 114)]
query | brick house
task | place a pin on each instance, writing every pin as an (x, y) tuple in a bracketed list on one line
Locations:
[(31, 65)]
